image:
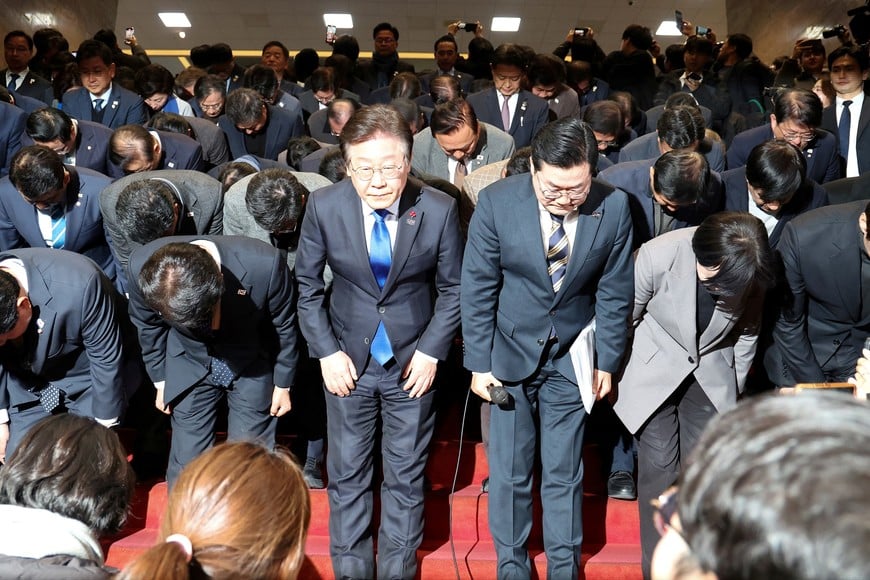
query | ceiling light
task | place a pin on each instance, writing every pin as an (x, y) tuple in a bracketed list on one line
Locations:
[(174, 19), (505, 24), (40, 19), (813, 32), (181, 34), (668, 28), (338, 20)]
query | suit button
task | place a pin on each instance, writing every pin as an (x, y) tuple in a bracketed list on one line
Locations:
[(691, 360), (382, 310), (836, 342), (552, 313), (541, 341), (366, 340)]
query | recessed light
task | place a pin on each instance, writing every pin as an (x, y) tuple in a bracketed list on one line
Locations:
[(338, 20), (505, 24), (174, 19), (181, 34), (668, 28)]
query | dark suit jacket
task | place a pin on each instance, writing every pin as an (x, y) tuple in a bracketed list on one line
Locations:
[(848, 189), (822, 154), (12, 121), (633, 178), (419, 304), (820, 320), (829, 123), (464, 79), (311, 105), (124, 108), (200, 197), (78, 333), (368, 72), (92, 146), (257, 336), (810, 196), (708, 95), (25, 103), (653, 114), (214, 141), (647, 147), (33, 86), (318, 128), (508, 303), (261, 164), (85, 234), (281, 126), (178, 152), (531, 114), (598, 91)]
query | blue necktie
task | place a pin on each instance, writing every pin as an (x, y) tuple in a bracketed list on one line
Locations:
[(98, 105), (844, 127), (58, 228), (221, 373), (380, 258), (13, 81)]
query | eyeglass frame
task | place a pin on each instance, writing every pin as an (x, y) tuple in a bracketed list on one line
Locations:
[(397, 168), (560, 193)]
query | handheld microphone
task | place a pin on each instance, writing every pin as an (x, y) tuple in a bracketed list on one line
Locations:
[(499, 395)]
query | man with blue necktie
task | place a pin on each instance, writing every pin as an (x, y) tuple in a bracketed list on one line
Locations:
[(395, 251)]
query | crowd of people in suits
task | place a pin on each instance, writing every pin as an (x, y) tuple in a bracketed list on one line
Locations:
[(695, 225)]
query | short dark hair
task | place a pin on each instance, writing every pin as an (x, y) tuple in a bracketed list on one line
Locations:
[(681, 98), (71, 466), (546, 70), (337, 107), (443, 88), (777, 169), (372, 121), (856, 52), (811, 448), (565, 143), (333, 165), (36, 171), (520, 162), (107, 36), (304, 62), (867, 218), (682, 177), (153, 79), (130, 143), (604, 117), (639, 36), (48, 124), (799, 105), (19, 34), (279, 45), (735, 245), (346, 45), (323, 79), (451, 116), (220, 53), (262, 79), (200, 56), (207, 85), (405, 84), (94, 48), (742, 44), (233, 172), (300, 147), (385, 26), (9, 291), (275, 199), (183, 283), (510, 55), (172, 123), (699, 45), (244, 106), (681, 126), (446, 38), (410, 111), (480, 49), (145, 210)]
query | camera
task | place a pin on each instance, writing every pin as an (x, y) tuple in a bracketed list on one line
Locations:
[(467, 26), (580, 33), (835, 31)]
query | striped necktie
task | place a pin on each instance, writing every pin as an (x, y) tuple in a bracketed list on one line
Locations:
[(58, 228), (557, 252)]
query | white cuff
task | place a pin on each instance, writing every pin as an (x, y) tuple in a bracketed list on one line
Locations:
[(159, 385), (107, 422), (4, 416), (431, 359)]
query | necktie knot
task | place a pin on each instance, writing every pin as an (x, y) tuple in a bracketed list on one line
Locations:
[(98, 105), (381, 215), (846, 104)]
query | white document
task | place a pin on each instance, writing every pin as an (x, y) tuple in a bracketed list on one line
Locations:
[(583, 360)]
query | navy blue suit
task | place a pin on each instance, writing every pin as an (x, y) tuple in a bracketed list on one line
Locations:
[(822, 154), (92, 146), (810, 196), (281, 126), (25, 103), (12, 121), (79, 340), (124, 108), (33, 86), (633, 178), (178, 152), (85, 233), (531, 114)]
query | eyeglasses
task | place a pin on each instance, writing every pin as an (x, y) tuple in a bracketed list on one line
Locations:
[(214, 107), (552, 194), (803, 137), (368, 173), (665, 507)]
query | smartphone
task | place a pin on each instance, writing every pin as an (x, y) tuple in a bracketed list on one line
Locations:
[(701, 30), (678, 18), (580, 32), (128, 34), (330, 33), (468, 26)]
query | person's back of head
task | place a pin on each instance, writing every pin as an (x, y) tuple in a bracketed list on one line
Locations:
[(546, 70), (442, 88), (209, 84), (333, 166), (775, 169), (200, 56), (171, 123), (565, 143), (681, 127), (49, 124), (346, 45), (450, 117), (741, 43), (74, 467), (154, 79), (777, 488), (235, 171), (147, 210), (604, 117), (682, 99), (480, 50), (300, 147), (244, 106), (681, 177), (107, 37), (131, 144), (411, 112), (405, 85), (304, 63), (262, 79), (520, 162), (37, 171), (276, 199), (239, 510), (639, 36), (799, 106)]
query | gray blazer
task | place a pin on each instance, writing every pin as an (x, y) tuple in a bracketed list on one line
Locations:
[(666, 348), (494, 145)]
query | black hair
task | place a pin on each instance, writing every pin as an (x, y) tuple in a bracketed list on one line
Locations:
[(71, 466), (510, 55), (9, 291), (171, 123), (19, 34), (279, 45), (681, 127), (546, 70), (639, 36), (742, 44), (798, 105), (262, 79), (131, 143), (858, 53), (385, 26), (446, 38), (183, 283), (605, 117), (323, 79), (699, 45), (48, 124), (94, 48), (207, 85), (682, 98), (451, 116), (410, 111), (300, 147), (146, 210), (200, 56), (244, 106), (153, 79), (220, 53), (275, 199), (565, 143), (346, 45), (442, 88), (107, 36), (304, 63), (682, 177), (735, 245), (777, 169), (36, 171), (406, 85), (233, 172), (520, 162), (333, 166)]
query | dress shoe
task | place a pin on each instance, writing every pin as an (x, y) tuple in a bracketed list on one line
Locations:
[(484, 486), (620, 485), (313, 474)]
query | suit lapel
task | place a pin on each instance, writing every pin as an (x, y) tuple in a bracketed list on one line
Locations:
[(589, 216), (864, 119), (74, 209), (845, 259), (526, 207), (352, 221), (410, 218), (684, 297), (272, 131), (112, 106)]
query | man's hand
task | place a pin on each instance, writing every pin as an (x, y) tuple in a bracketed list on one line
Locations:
[(4, 439), (861, 380), (479, 382), (601, 382), (280, 402), (339, 374), (692, 84), (161, 406), (420, 374)]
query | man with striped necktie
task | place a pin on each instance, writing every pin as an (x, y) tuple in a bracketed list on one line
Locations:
[(547, 252)]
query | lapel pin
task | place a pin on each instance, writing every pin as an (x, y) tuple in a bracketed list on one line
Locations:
[(39, 325), (78, 204), (190, 214), (114, 104), (596, 214), (90, 147), (171, 164), (411, 215), (242, 292)]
